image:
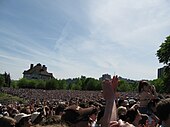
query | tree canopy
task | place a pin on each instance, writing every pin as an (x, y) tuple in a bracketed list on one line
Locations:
[(163, 53)]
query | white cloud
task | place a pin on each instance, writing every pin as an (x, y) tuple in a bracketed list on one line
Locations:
[(122, 21)]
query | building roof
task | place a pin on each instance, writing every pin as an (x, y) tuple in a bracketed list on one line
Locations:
[(38, 69)]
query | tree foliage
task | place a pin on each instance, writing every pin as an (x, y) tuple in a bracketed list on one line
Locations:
[(5, 80), (2, 80), (82, 83), (125, 86), (163, 55), (159, 85)]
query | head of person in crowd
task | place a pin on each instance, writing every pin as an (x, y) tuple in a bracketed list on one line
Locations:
[(133, 116), (121, 112), (123, 102), (132, 101), (144, 120), (143, 86), (1, 108), (120, 123), (6, 121), (36, 118), (59, 109), (14, 112), (46, 110), (76, 116), (23, 120), (26, 110), (163, 112), (83, 105)]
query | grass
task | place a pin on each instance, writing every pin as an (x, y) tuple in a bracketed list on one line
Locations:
[(6, 98)]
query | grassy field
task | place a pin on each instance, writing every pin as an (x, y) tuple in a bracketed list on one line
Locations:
[(6, 98)]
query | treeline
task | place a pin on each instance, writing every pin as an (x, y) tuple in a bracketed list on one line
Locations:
[(81, 83), (69, 84)]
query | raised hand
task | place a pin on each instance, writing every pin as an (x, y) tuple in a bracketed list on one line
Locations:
[(109, 87), (115, 83)]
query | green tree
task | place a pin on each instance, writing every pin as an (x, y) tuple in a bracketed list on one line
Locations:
[(7, 79), (2, 80), (23, 83), (41, 84), (51, 84), (91, 84), (123, 86), (75, 87), (61, 84), (14, 83), (163, 55), (83, 81), (98, 85), (159, 85), (79, 84), (32, 83)]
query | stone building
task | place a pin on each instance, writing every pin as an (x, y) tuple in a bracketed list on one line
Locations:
[(37, 72)]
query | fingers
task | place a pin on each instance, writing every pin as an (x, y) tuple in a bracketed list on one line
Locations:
[(115, 79), (115, 82)]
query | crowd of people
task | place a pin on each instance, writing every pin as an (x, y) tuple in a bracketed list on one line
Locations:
[(106, 108)]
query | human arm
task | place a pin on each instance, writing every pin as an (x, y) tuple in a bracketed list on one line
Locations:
[(109, 91)]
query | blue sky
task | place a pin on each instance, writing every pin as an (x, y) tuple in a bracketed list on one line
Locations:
[(83, 37)]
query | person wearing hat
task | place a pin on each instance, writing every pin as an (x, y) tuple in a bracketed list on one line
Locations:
[(23, 120)]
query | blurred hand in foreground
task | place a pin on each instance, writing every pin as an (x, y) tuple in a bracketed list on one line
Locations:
[(109, 87)]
